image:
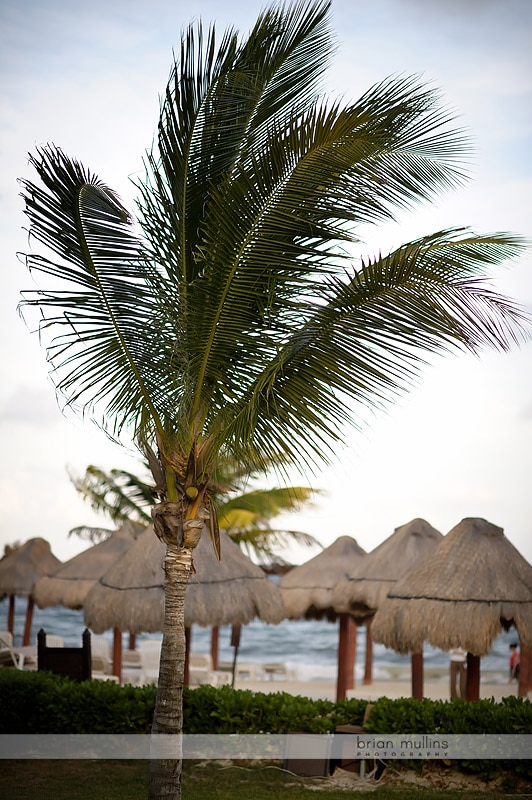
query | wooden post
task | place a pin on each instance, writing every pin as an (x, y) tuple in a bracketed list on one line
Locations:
[(27, 625), (188, 642), (343, 652), (368, 666), (215, 635), (472, 678), (417, 675), (351, 653), (236, 630), (117, 653), (132, 645), (11, 615)]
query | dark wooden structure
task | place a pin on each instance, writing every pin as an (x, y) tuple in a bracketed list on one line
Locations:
[(72, 662)]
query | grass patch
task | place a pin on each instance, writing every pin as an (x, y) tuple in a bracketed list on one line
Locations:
[(206, 780)]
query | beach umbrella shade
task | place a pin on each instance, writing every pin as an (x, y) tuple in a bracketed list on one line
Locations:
[(367, 585), (19, 572), (461, 594), (307, 592), (71, 583), (231, 591)]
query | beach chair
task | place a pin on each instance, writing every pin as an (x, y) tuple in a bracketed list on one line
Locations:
[(53, 640), (200, 671), (150, 656), (100, 656), (8, 658), (131, 667), (72, 662)]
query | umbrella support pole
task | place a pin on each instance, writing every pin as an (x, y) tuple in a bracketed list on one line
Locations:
[(473, 678), (215, 632), (11, 615), (351, 653), (29, 619), (417, 675), (117, 653), (368, 665), (188, 642), (345, 665)]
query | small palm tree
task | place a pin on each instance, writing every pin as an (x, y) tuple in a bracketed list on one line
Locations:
[(229, 322), (245, 516)]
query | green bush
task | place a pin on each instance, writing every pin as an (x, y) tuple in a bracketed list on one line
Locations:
[(39, 702)]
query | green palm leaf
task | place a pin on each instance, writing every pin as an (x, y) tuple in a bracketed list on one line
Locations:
[(368, 339), (94, 323)]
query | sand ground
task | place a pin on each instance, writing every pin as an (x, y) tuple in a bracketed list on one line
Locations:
[(437, 688)]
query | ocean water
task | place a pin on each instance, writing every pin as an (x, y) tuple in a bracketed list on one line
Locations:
[(307, 648)]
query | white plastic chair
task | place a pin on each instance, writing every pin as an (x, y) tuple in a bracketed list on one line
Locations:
[(53, 640), (8, 658), (200, 671), (150, 656), (100, 656)]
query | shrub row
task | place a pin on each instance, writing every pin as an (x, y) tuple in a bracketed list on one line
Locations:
[(39, 702)]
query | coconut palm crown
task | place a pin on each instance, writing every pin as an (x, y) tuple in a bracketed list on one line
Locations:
[(227, 317)]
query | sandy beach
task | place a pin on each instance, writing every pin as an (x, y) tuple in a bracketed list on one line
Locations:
[(435, 688)]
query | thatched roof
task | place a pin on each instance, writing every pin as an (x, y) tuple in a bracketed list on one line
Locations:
[(70, 584), (21, 569), (307, 589), (130, 596), (460, 594), (367, 585)]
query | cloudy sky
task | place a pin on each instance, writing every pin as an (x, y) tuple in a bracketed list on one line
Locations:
[(88, 78)]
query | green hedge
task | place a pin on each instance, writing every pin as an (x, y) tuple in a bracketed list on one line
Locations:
[(39, 702)]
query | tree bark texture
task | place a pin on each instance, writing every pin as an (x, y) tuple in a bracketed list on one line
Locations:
[(165, 773)]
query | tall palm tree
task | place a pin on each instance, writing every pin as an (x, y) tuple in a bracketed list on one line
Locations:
[(245, 515), (231, 321)]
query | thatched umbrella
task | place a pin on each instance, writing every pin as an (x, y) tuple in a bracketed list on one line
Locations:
[(231, 591), (307, 592), (19, 572), (461, 594), (367, 585), (70, 585)]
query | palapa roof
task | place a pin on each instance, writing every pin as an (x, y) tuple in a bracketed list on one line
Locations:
[(460, 594), (130, 596), (366, 586), (307, 589), (21, 569), (70, 584)]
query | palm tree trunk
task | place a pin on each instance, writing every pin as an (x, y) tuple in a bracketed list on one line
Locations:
[(165, 773)]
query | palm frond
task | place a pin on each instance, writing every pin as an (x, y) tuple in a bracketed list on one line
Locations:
[(91, 534), (261, 542), (367, 339), (118, 494), (93, 316)]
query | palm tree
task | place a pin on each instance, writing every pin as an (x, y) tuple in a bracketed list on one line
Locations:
[(245, 516), (230, 322)]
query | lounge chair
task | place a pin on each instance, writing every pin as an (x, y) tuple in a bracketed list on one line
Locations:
[(8, 657), (200, 671), (150, 655)]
